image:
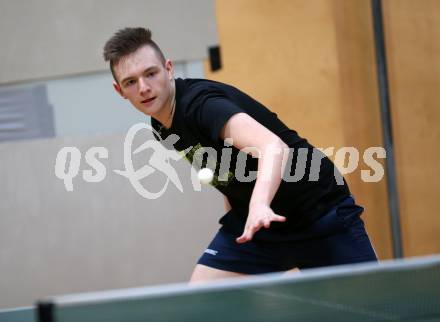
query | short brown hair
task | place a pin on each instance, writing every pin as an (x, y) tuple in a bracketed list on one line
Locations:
[(126, 41)]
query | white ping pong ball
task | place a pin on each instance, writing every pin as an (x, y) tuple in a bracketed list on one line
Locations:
[(205, 175)]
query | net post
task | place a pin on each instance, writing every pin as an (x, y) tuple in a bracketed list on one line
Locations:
[(45, 311)]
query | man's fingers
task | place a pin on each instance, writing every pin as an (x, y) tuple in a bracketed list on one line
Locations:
[(247, 234), (278, 218), (266, 223), (251, 229), (274, 217), (243, 238)]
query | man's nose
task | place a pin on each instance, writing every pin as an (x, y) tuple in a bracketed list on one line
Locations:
[(144, 86)]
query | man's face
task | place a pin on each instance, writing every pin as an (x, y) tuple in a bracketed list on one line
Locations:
[(145, 81)]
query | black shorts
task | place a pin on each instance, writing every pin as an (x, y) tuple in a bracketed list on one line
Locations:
[(338, 237)]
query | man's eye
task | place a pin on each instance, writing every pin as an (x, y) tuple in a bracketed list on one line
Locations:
[(151, 74), (129, 83)]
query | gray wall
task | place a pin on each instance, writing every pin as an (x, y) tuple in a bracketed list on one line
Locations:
[(50, 38), (101, 235)]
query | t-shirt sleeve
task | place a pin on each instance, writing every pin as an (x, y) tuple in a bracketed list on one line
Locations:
[(211, 114)]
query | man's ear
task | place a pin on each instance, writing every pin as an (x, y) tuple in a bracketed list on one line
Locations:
[(170, 68), (118, 89)]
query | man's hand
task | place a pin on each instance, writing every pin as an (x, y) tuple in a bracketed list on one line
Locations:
[(259, 216)]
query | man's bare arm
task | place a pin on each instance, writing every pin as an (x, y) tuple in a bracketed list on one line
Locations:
[(246, 132)]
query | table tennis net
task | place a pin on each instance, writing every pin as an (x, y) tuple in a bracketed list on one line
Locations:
[(392, 291)]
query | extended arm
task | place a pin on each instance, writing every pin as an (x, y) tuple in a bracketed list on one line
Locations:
[(246, 132)]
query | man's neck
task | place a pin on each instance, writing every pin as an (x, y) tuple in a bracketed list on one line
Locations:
[(166, 118)]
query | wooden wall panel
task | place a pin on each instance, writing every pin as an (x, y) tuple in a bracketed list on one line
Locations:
[(413, 46), (283, 53), (361, 123)]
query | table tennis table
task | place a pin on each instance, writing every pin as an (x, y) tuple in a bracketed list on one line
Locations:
[(20, 314), (399, 290)]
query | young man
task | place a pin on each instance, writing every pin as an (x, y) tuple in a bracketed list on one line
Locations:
[(271, 224)]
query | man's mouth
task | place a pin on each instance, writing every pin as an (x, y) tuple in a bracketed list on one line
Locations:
[(148, 100)]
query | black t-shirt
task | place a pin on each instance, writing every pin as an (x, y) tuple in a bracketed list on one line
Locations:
[(202, 109)]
